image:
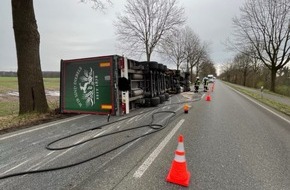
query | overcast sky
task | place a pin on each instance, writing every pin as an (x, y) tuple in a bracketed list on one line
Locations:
[(69, 29)]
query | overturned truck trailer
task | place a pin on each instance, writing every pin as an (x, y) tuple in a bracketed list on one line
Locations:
[(113, 85)]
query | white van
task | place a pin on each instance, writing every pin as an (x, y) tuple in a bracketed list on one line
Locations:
[(210, 78)]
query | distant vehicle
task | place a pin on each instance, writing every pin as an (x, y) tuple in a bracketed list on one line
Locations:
[(210, 78)]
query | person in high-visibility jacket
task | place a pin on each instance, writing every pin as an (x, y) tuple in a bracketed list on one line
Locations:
[(196, 84), (205, 84)]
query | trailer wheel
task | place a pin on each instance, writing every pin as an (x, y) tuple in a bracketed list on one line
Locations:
[(155, 101), (166, 96), (147, 95), (162, 98), (160, 67), (147, 102), (164, 68), (153, 65)]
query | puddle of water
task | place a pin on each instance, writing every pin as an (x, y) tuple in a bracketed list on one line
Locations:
[(52, 93)]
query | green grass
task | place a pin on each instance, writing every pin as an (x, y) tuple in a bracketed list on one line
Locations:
[(8, 108), (9, 105), (51, 83), (8, 84), (11, 84)]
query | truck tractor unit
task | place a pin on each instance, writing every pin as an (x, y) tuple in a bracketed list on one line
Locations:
[(114, 85)]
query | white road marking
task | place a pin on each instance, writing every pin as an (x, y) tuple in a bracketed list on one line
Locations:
[(61, 154), (45, 126), (15, 167), (44, 159), (129, 121), (141, 170), (283, 118), (100, 133), (178, 99)]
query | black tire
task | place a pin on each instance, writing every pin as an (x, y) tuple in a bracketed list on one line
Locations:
[(147, 102), (160, 67), (145, 66), (147, 95), (155, 101), (166, 96), (186, 74), (164, 68), (162, 98), (153, 65)]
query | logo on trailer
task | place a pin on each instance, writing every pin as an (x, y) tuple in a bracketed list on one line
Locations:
[(86, 87)]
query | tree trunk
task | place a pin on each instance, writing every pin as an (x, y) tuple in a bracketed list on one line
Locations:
[(191, 75), (273, 80), (245, 77), (148, 57), (30, 81)]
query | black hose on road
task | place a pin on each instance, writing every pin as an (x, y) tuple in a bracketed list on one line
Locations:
[(155, 127)]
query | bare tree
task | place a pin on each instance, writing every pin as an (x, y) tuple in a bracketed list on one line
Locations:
[(172, 48), (191, 45), (243, 63), (146, 22), (194, 51), (264, 25), (27, 39), (255, 64), (207, 67), (97, 4), (203, 57)]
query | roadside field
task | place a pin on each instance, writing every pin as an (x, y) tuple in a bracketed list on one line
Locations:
[(9, 102), (8, 84)]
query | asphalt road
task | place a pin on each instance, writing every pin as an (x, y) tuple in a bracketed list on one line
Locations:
[(230, 143)]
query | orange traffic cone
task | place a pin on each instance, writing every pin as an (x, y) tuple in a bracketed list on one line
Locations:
[(178, 173), (208, 98), (185, 108)]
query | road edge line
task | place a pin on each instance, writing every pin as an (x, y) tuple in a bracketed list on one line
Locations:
[(259, 104)]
